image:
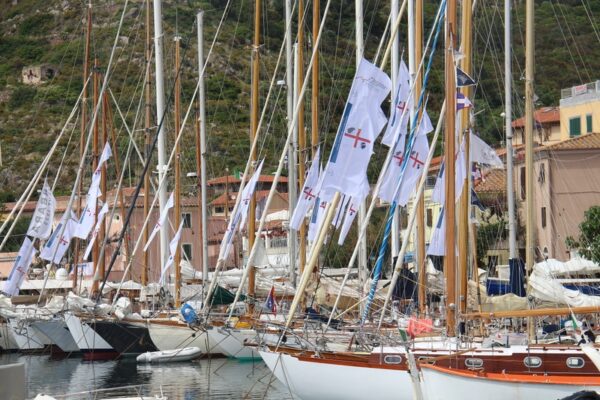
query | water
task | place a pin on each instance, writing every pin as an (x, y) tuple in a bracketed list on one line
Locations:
[(204, 379)]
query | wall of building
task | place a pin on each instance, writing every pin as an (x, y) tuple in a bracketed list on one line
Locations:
[(579, 107)]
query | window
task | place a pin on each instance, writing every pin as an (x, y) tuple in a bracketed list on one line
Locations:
[(543, 217), (574, 126), (395, 359), (279, 242), (532, 362), (588, 123), (187, 220), (429, 217), (186, 248), (404, 220), (542, 174), (575, 362), (219, 210), (522, 179), (430, 181), (472, 363)]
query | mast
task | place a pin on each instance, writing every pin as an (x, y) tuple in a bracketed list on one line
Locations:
[(147, 122), (86, 71), (449, 151), (201, 167), (314, 137), (421, 257), (253, 132), (160, 113), (465, 204), (362, 210), (177, 196), (292, 189), (301, 134), (510, 193), (103, 188), (395, 242), (95, 261), (529, 211)]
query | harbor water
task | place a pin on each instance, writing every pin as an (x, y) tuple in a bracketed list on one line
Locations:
[(217, 378)]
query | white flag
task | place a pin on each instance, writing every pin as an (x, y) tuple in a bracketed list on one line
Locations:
[(351, 210), (482, 153), (41, 222), (20, 268), (438, 195), (106, 154), (162, 219), (340, 212), (172, 250), (88, 215), (308, 194), (316, 218), (238, 219), (90, 245), (56, 247), (360, 125), (437, 244), (398, 122)]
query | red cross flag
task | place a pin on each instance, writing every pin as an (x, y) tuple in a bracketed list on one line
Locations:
[(308, 195), (399, 114)]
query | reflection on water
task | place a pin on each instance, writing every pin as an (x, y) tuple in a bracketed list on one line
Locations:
[(214, 379)]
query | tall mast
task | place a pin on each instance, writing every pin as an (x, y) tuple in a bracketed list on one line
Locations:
[(465, 204), (314, 137), (147, 123), (395, 242), (529, 211), (177, 197), (160, 112), (292, 179), (253, 133), (510, 193), (362, 211), (86, 71), (301, 132), (95, 261), (421, 261), (103, 188), (201, 167), (449, 151)]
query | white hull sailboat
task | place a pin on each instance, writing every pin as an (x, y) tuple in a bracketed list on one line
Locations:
[(27, 338), (92, 345), (232, 342), (57, 332), (169, 335)]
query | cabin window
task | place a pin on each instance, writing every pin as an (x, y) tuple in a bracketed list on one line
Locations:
[(429, 217), (395, 359), (187, 219), (588, 123), (474, 363), (187, 251), (532, 362), (575, 362), (574, 126), (543, 217)]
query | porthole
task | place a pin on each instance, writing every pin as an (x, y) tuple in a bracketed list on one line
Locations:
[(474, 362), (395, 359), (532, 362), (575, 362)]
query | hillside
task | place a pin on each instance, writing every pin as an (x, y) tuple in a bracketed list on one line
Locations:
[(34, 32)]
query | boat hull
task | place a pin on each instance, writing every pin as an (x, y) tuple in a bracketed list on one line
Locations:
[(92, 346), (447, 384), (231, 342), (58, 333), (7, 340), (27, 339), (172, 336), (126, 338)]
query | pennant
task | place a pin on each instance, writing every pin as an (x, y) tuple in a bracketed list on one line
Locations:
[(340, 212), (482, 153), (106, 154), (460, 173), (316, 218), (361, 123), (88, 215), (271, 303), (90, 245), (40, 226), (351, 211), (398, 121), (308, 194), (58, 243), (437, 243), (462, 79), (462, 102), (172, 251), (162, 219), (20, 268)]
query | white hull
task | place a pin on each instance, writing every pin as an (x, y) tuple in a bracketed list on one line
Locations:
[(26, 337), (7, 339), (86, 339), (172, 337), (231, 342), (438, 385), (57, 332), (313, 380)]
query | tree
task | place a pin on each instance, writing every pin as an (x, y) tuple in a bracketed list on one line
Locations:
[(589, 235)]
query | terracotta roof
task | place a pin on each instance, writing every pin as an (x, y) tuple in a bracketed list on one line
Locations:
[(230, 179), (260, 194), (590, 141), (545, 115), (494, 182)]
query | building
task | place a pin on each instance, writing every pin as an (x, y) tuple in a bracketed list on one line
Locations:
[(565, 186), (547, 127), (37, 74), (579, 110)]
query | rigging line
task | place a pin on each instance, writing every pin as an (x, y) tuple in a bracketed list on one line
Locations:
[(562, 32), (62, 161), (588, 12), (585, 66)]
